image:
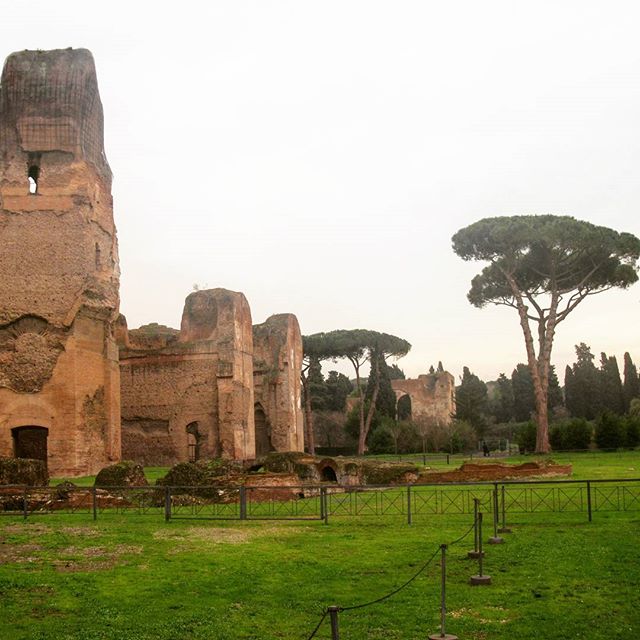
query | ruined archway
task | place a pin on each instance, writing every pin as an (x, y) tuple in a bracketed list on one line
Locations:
[(30, 442), (403, 407), (328, 474), (193, 442), (263, 437)]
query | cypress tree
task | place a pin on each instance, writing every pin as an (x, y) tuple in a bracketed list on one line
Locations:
[(471, 401), (571, 397), (524, 401), (611, 395), (504, 404), (587, 398), (631, 387)]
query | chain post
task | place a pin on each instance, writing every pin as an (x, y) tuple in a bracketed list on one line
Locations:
[(94, 502), (333, 616), (443, 635), (480, 579), (480, 554)]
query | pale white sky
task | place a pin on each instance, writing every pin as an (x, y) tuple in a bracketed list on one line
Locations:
[(318, 156)]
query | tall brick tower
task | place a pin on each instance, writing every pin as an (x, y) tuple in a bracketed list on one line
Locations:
[(59, 374)]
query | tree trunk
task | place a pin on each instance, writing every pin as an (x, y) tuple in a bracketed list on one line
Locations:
[(540, 382), (308, 417), (364, 432), (362, 436)]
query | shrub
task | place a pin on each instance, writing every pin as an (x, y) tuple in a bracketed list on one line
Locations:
[(632, 431), (526, 436), (570, 435), (463, 437), (381, 441), (122, 474), (610, 432)]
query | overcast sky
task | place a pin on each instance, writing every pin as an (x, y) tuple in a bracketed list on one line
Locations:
[(318, 156)]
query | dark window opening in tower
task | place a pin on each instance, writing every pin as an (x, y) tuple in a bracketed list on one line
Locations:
[(33, 174)]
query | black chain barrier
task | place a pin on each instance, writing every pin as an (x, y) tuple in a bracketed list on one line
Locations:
[(395, 591)]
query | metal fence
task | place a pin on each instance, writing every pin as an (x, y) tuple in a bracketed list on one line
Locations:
[(322, 502)]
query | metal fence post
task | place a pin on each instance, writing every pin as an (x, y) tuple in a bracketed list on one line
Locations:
[(25, 504), (243, 503), (333, 616), (325, 502), (167, 504), (504, 528), (94, 501), (424, 459), (476, 535), (408, 504), (589, 500), (447, 458)]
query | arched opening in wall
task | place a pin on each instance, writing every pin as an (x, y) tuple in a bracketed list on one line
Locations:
[(263, 438), (33, 174), (193, 442), (403, 407), (30, 442), (328, 474)]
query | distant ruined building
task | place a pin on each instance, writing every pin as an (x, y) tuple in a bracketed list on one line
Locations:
[(430, 396), (217, 387)]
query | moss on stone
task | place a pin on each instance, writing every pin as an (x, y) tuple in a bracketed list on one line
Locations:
[(122, 474), (23, 471), (374, 472)]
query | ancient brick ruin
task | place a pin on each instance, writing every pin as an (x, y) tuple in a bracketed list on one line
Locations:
[(59, 375), (197, 392), (430, 396), (219, 387)]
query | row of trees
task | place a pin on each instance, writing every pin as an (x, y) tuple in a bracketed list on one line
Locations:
[(588, 392)]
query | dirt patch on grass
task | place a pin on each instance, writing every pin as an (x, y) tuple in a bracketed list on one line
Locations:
[(44, 529), (223, 535), (11, 553), (93, 558), (497, 615)]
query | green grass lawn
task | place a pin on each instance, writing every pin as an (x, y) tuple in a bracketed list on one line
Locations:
[(65, 577), (135, 577)]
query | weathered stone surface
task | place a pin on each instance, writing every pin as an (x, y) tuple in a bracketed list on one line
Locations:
[(23, 471), (189, 394), (433, 396), (277, 359), (122, 474), (58, 266)]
